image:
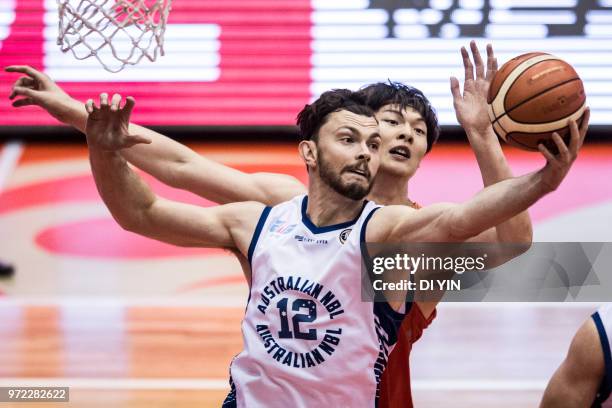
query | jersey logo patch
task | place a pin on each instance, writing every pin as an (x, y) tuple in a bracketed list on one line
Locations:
[(279, 226), (344, 235)]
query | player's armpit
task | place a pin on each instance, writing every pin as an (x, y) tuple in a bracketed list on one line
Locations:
[(227, 226), (576, 381)]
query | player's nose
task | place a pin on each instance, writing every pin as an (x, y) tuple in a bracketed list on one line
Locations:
[(407, 137), (364, 152)]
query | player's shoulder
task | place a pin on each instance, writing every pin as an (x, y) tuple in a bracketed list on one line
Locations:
[(390, 214), (401, 219), (383, 220), (394, 210)]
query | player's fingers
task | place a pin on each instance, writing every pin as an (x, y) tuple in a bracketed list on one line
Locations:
[(454, 86), (25, 81), (19, 83), (477, 60), (584, 126), (467, 64), (115, 101), (22, 91), (561, 146), (129, 106), (491, 63), (546, 153), (103, 100), (25, 69), (23, 102), (574, 136), (89, 106)]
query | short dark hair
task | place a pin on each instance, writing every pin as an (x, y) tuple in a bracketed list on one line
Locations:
[(314, 115), (395, 93)]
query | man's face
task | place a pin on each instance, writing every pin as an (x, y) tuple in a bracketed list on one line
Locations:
[(347, 153), (404, 140)]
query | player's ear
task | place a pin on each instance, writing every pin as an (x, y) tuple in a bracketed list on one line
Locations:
[(308, 153)]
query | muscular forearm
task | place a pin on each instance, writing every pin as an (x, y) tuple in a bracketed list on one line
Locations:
[(178, 166), (124, 193), (496, 204), (494, 168), (173, 163)]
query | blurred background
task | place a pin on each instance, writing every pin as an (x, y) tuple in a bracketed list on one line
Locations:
[(126, 321)]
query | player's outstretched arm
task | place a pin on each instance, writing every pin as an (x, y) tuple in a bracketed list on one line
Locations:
[(576, 381), (136, 208), (471, 111), (491, 206), (167, 160)]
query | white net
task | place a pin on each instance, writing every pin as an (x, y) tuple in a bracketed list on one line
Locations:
[(116, 32)]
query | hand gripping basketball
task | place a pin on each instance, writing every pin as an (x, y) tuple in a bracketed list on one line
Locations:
[(108, 126), (557, 166)]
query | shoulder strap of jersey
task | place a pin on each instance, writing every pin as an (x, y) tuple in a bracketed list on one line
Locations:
[(606, 385)]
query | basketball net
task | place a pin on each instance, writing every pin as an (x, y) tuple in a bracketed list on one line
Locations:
[(116, 32)]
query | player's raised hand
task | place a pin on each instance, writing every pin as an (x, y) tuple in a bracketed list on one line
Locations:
[(36, 88), (107, 125), (557, 166), (471, 105)]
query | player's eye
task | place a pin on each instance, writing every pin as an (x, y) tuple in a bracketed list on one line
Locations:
[(374, 145), (420, 131), (391, 122)]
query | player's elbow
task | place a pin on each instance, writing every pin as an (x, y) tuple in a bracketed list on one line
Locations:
[(130, 223), (526, 237), (134, 220), (522, 239), (523, 247)]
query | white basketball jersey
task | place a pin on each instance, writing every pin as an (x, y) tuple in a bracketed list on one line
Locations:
[(603, 322), (309, 339)]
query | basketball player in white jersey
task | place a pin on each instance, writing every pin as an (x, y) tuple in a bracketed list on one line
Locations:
[(308, 337), (406, 120), (584, 379), (408, 128)]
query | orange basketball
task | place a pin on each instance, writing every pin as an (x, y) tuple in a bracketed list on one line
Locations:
[(532, 96)]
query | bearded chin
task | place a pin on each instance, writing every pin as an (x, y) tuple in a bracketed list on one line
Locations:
[(354, 191)]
